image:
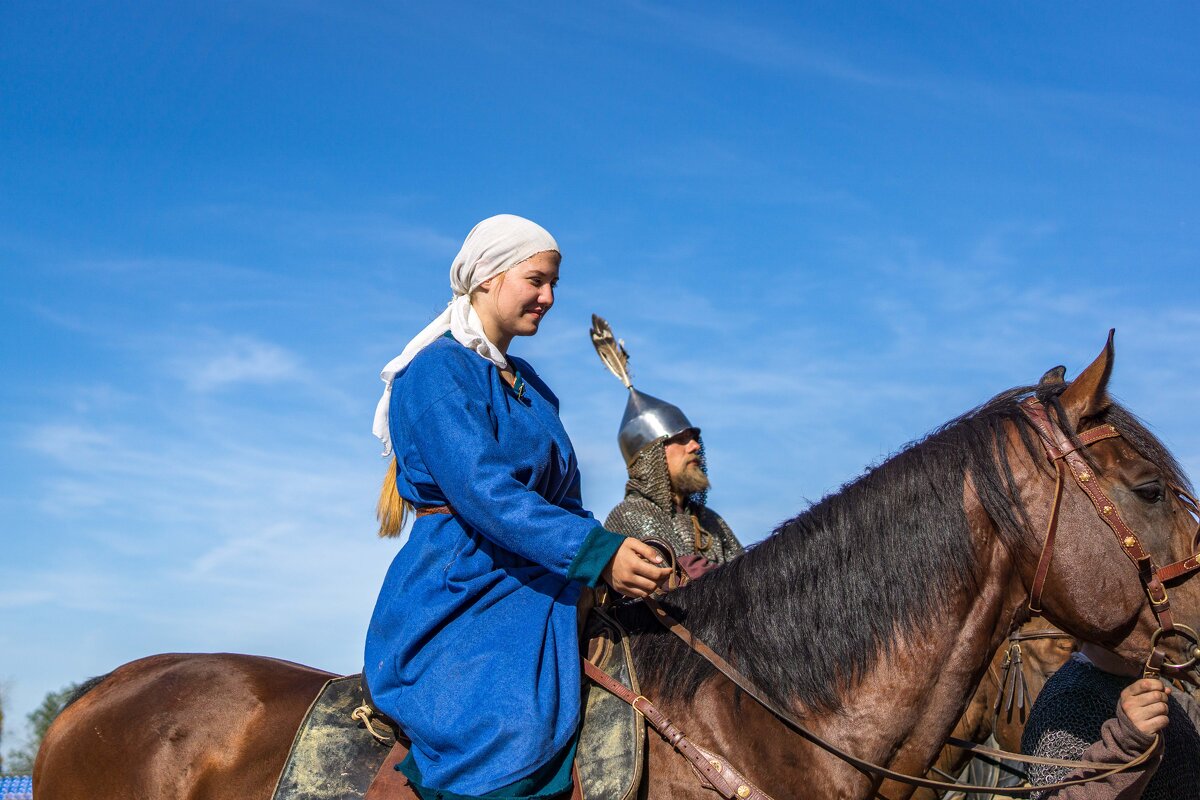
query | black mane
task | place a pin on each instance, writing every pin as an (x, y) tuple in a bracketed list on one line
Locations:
[(810, 609)]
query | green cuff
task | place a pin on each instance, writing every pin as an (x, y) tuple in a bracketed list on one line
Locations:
[(597, 550)]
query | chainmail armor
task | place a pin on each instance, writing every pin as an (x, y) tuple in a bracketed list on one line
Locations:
[(1066, 720), (648, 510)]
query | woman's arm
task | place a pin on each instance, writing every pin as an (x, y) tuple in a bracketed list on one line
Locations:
[(454, 438)]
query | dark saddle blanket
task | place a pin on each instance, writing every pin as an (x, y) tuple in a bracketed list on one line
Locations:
[(336, 757)]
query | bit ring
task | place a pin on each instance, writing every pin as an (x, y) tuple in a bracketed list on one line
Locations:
[(1186, 633)]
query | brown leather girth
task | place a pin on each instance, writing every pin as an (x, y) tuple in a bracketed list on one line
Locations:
[(1104, 770), (711, 767)]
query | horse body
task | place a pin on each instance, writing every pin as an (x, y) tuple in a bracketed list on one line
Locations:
[(179, 727), (925, 560), (1041, 657)]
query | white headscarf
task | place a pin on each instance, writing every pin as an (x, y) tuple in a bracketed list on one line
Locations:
[(493, 246)]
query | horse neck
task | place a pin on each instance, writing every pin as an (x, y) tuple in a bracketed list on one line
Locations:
[(897, 714), (979, 721), (910, 703), (901, 712)]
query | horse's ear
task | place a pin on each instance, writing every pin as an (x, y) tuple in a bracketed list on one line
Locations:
[(1054, 376), (1087, 396)]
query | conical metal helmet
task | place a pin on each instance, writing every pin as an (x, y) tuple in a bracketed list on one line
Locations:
[(647, 418)]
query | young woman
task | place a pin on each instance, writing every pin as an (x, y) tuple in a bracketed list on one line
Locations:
[(473, 647)]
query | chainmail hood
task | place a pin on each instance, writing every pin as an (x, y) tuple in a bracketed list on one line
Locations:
[(649, 510)]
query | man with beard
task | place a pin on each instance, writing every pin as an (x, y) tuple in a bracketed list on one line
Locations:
[(666, 494)]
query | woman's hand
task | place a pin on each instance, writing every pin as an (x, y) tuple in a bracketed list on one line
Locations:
[(1145, 703), (634, 571)]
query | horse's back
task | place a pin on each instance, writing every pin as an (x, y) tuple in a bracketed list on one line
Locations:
[(178, 726)]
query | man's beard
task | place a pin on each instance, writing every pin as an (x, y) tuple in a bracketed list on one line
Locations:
[(690, 481)]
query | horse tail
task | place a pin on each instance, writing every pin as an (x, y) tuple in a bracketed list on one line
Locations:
[(82, 689)]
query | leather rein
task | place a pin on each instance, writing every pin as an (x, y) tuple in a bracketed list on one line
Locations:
[(1063, 452)]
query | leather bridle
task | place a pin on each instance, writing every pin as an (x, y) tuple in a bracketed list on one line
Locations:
[(1063, 451), (1011, 686)]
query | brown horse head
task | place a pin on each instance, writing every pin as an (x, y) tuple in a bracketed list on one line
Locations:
[(1092, 590)]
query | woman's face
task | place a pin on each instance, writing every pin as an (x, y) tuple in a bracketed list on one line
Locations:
[(515, 302)]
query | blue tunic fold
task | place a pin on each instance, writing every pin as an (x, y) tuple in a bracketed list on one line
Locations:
[(473, 647)]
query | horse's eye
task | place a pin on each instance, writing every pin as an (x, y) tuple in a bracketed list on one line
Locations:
[(1151, 492)]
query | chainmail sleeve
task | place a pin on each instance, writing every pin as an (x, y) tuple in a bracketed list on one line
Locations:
[(1189, 705), (1067, 719)]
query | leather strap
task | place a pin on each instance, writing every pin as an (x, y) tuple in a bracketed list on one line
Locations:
[(1011, 686), (1043, 567), (745, 684), (712, 768), (1180, 568), (679, 575), (1192, 563), (1060, 448), (1040, 633)]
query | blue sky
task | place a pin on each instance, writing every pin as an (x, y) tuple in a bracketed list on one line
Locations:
[(822, 231)]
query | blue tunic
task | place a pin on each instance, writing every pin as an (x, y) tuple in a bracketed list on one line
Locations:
[(473, 647)]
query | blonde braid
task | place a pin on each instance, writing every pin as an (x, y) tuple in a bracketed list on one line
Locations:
[(392, 510)]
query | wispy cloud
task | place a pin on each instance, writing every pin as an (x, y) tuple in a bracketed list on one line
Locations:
[(211, 523), (241, 359), (67, 443), (13, 599)]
